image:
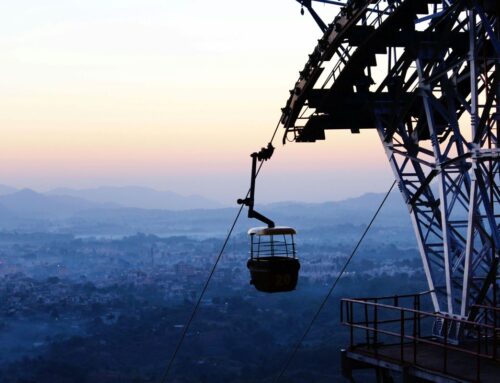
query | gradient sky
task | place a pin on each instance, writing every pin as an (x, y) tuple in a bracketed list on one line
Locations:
[(169, 94)]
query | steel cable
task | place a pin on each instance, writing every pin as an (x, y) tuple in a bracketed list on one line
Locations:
[(210, 275), (332, 288)]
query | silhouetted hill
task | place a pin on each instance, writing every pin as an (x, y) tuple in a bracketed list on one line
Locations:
[(306, 217), (5, 214), (139, 197), (356, 210), (68, 214), (5, 189), (27, 203)]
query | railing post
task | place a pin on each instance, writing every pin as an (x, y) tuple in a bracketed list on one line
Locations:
[(375, 325), (415, 315), (341, 311), (445, 356), (367, 332), (350, 315), (486, 331), (495, 343), (418, 315), (478, 359), (495, 302), (402, 335)]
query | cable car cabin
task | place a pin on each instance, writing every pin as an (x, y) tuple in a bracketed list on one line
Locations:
[(273, 264)]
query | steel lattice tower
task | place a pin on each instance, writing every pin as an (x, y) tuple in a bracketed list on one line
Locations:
[(426, 75)]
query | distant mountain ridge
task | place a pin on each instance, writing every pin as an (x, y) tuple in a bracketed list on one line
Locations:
[(27, 210), (27, 203), (139, 197), (5, 189), (357, 210)]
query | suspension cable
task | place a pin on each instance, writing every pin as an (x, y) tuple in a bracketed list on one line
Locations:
[(327, 296), (210, 275)]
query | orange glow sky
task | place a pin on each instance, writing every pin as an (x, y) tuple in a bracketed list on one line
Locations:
[(169, 94)]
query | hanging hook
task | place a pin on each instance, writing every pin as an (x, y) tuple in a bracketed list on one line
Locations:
[(263, 155)]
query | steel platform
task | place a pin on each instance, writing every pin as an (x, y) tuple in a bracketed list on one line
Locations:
[(396, 339)]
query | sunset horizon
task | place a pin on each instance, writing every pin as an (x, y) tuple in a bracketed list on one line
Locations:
[(170, 96)]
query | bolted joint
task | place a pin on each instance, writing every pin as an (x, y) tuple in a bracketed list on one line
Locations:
[(246, 201), (265, 153)]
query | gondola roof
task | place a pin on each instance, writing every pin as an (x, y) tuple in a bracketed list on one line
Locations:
[(271, 230)]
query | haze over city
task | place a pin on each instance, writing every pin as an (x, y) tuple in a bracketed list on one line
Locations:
[(168, 95), (151, 233)]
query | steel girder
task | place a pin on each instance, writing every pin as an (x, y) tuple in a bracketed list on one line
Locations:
[(435, 105)]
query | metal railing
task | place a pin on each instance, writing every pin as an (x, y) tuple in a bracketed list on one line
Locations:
[(375, 323), (489, 315)]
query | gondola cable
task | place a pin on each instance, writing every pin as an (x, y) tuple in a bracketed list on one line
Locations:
[(212, 271), (219, 256), (332, 288)]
